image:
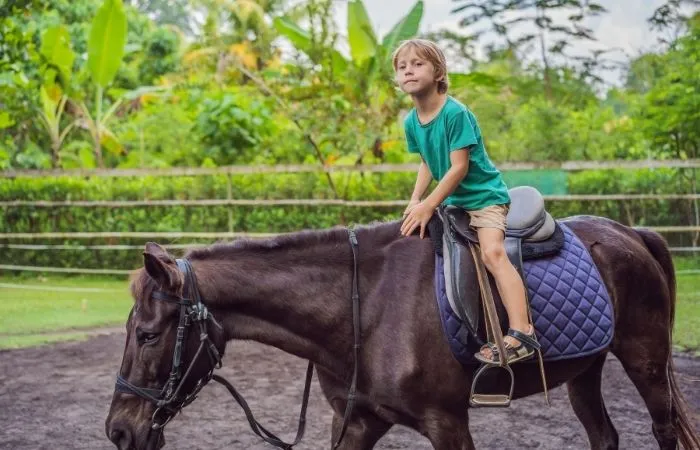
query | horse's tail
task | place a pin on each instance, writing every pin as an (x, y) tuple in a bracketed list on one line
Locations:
[(658, 248)]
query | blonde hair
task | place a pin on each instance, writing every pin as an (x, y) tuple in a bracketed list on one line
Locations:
[(429, 51)]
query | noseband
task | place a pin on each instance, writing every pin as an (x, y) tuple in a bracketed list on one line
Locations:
[(170, 398), (192, 310)]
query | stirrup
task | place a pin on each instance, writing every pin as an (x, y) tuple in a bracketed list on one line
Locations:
[(493, 400)]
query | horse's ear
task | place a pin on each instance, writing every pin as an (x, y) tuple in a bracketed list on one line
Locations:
[(160, 266)]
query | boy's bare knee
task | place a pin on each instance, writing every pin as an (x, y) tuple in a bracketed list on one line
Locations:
[(493, 256)]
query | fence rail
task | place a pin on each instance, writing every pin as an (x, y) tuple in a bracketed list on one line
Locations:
[(138, 235), (117, 247), (64, 270), (127, 272), (226, 234), (310, 202), (311, 168)]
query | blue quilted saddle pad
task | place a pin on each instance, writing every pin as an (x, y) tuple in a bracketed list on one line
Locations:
[(570, 305)]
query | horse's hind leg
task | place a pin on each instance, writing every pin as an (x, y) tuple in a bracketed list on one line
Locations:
[(587, 401), (644, 357)]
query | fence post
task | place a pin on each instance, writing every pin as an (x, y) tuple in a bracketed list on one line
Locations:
[(229, 196)]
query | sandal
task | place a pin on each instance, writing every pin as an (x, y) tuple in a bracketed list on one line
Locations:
[(526, 349)]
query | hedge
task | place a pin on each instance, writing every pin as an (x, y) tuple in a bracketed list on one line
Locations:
[(352, 186)]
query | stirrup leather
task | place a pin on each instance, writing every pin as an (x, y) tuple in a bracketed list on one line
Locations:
[(495, 335)]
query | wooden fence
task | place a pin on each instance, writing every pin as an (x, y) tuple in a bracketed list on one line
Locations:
[(379, 168), (243, 170)]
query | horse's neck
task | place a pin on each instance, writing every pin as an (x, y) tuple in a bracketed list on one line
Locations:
[(293, 298)]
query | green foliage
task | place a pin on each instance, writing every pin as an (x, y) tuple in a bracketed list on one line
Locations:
[(231, 124), (227, 96), (161, 55), (305, 42), (671, 108), (643, 212), (107, 40), (55, 46), (406, 28), (349, 108), (270, 219), (363, 42), (161, 133)]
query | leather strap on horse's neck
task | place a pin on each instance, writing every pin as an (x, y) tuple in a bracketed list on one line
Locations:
[(268, 436), (352, 394)]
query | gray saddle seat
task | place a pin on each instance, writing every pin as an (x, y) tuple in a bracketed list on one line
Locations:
[(527, 218), (531, 233)]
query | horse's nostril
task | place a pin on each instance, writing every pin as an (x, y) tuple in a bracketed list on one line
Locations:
[(119, 437), (116, 435)]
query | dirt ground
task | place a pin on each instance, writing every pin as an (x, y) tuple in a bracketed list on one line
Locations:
[(57, 397)]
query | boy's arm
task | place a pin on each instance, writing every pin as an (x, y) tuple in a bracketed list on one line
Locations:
[(460, 165), (420, 214), (422, 182)]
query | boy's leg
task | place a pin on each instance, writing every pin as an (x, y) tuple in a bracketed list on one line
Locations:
[(490, 226)]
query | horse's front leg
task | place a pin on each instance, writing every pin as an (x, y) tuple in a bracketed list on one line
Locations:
[(448, 432), (363, 431)]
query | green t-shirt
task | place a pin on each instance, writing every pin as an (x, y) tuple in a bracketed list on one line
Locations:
[(455, 128)]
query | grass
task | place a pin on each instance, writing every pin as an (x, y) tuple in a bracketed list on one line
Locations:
[(33, 340), (51, 310), (686, 332)]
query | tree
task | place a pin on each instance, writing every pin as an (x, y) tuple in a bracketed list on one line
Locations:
[(671, 17), (669, 113), (506, 18), (235, 29), (167, 12), (358, 93)]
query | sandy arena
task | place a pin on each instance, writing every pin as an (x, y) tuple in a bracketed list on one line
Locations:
[(57, 397)]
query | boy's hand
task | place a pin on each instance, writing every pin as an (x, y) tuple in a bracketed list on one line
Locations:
[(412, 204), (418, 216)]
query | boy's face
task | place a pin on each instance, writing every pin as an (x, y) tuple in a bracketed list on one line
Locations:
[(414, 74)]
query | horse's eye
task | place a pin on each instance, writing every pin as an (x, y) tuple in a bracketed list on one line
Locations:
[(145, 337)]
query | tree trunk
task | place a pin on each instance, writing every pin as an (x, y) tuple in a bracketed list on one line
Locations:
[(545, 61), (55, 157)]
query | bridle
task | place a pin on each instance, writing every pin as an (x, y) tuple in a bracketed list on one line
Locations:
[(171, 400)]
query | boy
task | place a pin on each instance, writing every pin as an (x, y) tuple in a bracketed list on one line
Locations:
[(448, 138)]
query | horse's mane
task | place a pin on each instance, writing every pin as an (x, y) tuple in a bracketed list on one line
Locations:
[(370, 236), (296, 240)]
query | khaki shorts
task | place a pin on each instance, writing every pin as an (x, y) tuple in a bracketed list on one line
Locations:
[(493, 216)]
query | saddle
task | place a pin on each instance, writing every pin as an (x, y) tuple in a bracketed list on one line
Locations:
[(531, 233)]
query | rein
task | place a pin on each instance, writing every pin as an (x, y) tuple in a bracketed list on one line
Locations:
[(192, 310)]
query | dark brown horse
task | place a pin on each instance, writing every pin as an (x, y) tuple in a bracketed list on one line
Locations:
[(292, 292)]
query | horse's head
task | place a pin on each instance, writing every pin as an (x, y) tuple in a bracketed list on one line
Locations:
[(172, 346)]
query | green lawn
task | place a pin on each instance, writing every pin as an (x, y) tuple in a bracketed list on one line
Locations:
[(62, 307), (53, 307), (686, 332)]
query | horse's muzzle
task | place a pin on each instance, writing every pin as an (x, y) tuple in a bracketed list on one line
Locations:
[(124, 439)]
